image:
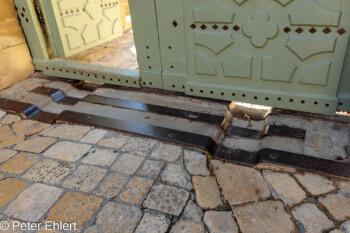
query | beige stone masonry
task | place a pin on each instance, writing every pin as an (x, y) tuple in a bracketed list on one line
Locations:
[(16, 63)]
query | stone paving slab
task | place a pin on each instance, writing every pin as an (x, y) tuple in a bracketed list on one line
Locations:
[(49, 171), (160, 196), (35, 145), (6, 154), (93, 136), (207, 192), (155, 223), (111, 186), (21, 89), (250, 186), (139, 146), (151, 168), (346, 227), (9, 188), (311, 219), (100, 157), (284, 187), (68, 151), (9, 119), (28, 127), (74, 208), (268, 216), (167, 152), (32, 203), (175, 174), (127, 164), (118, 218), (112, 141), (192, 212), (336, 231), (220, 222), (19, 163), (344, 186), (187, 226), (136, 190), (315, 184), (196, 163), (69, 132), (12, 141), (6, 133), (337, 205), (85, 178), (2, 114)]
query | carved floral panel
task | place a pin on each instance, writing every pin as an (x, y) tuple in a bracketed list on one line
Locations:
[(285, 41)]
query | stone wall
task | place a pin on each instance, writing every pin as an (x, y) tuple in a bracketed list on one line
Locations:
[(15, 60)]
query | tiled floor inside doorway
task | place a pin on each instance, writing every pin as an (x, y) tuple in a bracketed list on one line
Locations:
[(119, 53)]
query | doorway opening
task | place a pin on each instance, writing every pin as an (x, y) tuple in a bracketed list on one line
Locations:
[(106, 39), (119, 52)]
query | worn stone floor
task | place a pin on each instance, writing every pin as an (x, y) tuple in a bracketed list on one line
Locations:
[(104, 181), (119, 53)]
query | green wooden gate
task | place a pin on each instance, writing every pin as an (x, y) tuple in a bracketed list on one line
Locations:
[(281, 53), (287, 54)]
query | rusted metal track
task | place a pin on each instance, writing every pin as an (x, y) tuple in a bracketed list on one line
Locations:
[(191, 139), (238, 156), (139, 106), (303, 162), (56, 95), (299, 161), (270, 130), (29, 110), (60, 97), (312, 164)]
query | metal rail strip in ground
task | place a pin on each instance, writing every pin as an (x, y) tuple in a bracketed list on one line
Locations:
[(30, 111), (299, 161), (60, 97), (242, 113), (56, 95), (191, 139), (270, 130), (139, 106), (327, 167)]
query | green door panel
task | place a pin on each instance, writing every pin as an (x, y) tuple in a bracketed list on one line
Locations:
[(74, 26), (84, 71), (171, 29), (286, 54), (344, 84), (144, 24), (32, 30)]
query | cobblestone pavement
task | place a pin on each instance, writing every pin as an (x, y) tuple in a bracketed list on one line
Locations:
[(106, 181)]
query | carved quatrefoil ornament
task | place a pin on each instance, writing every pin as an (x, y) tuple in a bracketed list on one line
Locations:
[(260, 28)]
